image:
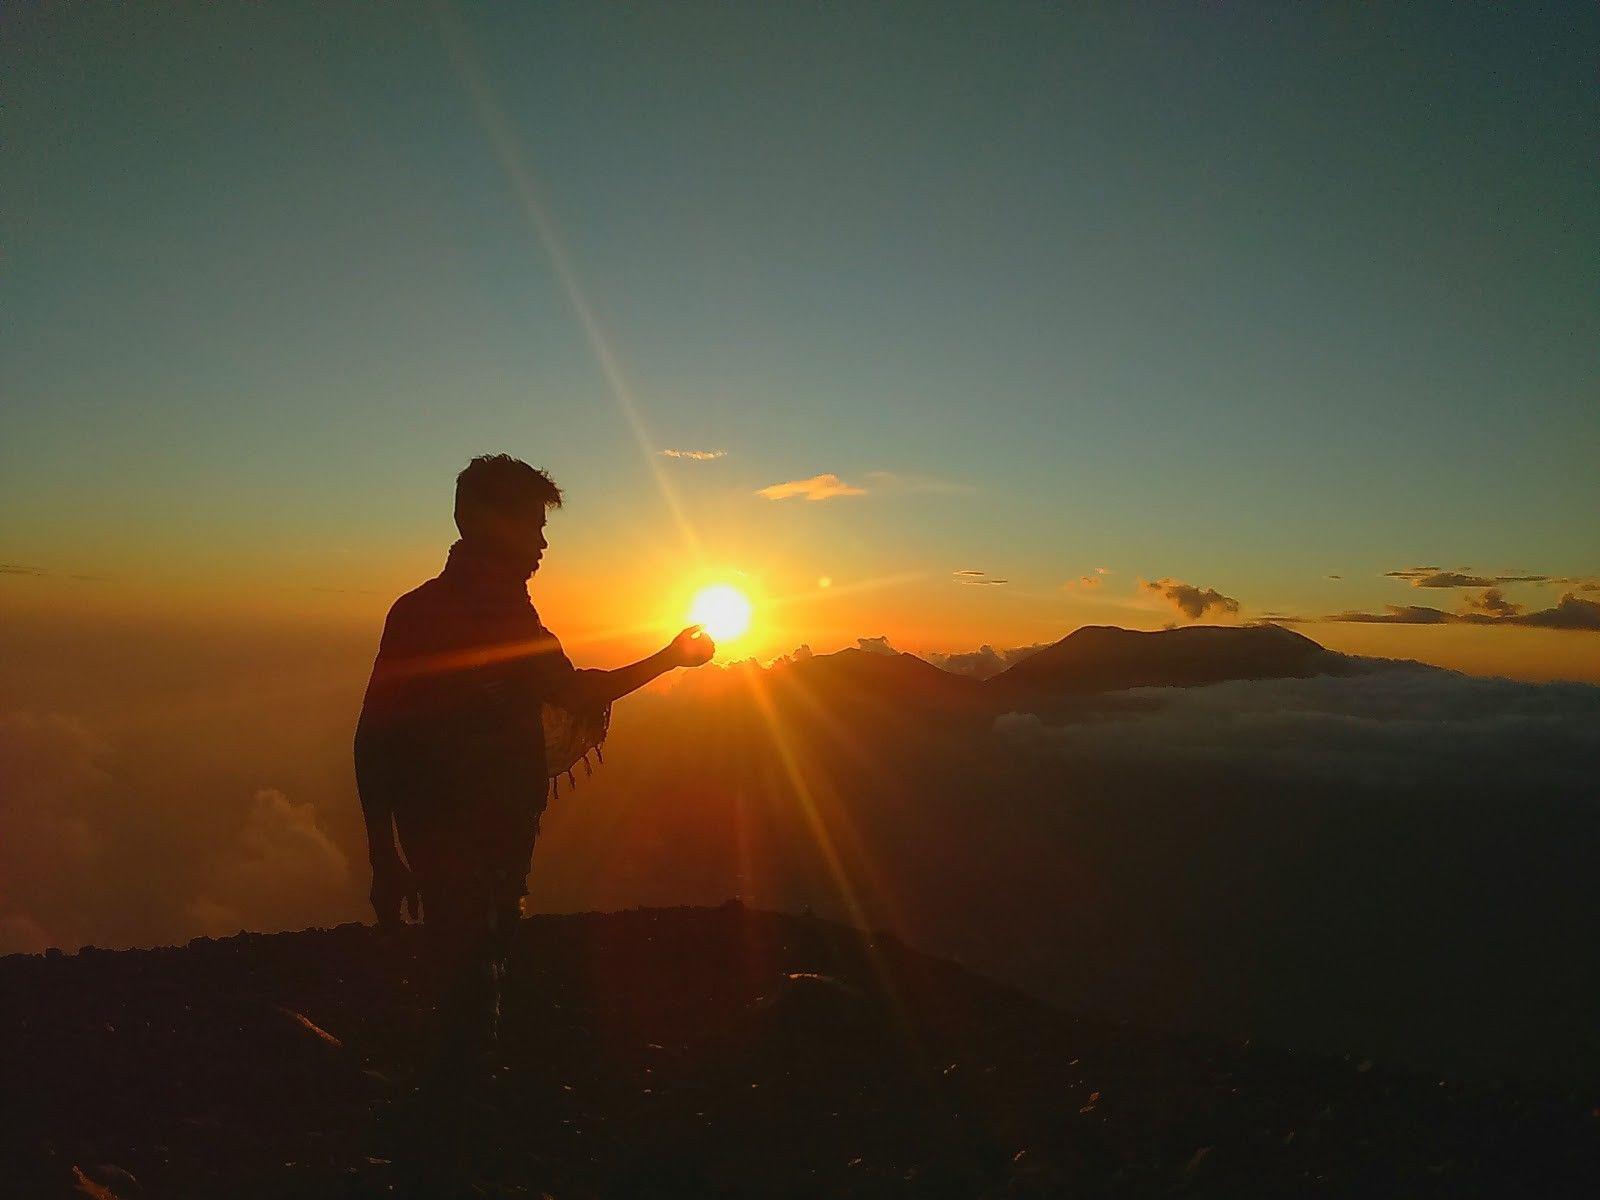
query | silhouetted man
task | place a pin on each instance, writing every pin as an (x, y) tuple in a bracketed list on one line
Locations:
[(471, 709)]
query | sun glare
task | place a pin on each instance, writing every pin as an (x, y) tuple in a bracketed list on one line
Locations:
[(723, 610)]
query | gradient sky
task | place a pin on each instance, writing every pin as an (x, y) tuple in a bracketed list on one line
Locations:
[(1241, 296)]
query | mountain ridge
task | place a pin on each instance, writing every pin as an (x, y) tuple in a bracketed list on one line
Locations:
[(1090, 659)]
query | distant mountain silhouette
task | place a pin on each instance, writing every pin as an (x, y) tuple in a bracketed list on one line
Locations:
[(704, 1052), (1092, 659), (1100, 658), (904, 678)]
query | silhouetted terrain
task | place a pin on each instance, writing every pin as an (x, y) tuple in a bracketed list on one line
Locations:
[(709, 1052), (1099, 658)]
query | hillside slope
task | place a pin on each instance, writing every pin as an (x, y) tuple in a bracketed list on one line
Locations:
[(689, 1052)]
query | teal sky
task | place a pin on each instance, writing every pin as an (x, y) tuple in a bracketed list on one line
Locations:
[(1242, 295)]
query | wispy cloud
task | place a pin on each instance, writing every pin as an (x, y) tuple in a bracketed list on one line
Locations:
[(1491, 608), (899, 481), (694, 455), (827, 486), (977, 577), (1434, 577), (1191, 601), (40, 573)]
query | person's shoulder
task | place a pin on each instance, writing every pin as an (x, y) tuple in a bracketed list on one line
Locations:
[(417, 603)]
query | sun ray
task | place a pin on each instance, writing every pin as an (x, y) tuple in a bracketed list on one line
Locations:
[(509, 152), (801, 790)]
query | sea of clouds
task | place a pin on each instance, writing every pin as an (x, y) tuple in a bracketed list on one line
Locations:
[(1414, 729)]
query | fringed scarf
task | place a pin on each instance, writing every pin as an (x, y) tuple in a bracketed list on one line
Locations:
[(570, 736)]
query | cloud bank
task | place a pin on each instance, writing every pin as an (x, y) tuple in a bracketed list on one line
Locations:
[(1416, 730)]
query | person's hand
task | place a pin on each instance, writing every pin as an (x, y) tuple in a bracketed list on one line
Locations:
[(394, 891), (691, 648)]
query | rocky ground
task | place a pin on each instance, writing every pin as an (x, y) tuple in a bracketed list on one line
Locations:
[(705, 1053)]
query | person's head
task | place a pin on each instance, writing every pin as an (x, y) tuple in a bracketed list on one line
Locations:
[(501, 504)]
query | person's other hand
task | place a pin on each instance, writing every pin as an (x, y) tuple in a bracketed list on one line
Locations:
[(394, 892), (691, 648)]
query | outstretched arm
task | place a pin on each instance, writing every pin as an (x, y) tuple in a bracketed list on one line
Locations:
[(691, 648)]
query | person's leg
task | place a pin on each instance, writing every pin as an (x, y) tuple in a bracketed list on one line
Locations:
[(504, 917), (463, 971)]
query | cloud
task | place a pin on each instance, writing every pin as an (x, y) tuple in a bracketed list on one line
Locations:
[(1413, 730), (818, 487), (1491, 603), (897, 481), (1193, 602), (694, 455), (1433, 577), (1088, 582), (89, 855), (1393, 614), (281, 861), (984, 662), (875, 645), (28, 572), (1569, 613), (1335, 576), (979, 578)]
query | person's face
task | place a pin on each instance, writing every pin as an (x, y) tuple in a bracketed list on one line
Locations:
[(527, 539), (519, 535)]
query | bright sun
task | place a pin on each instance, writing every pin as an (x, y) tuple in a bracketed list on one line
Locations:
[(723, 610)]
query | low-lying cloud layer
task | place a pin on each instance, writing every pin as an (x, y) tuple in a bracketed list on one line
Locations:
[(1412, 730)]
